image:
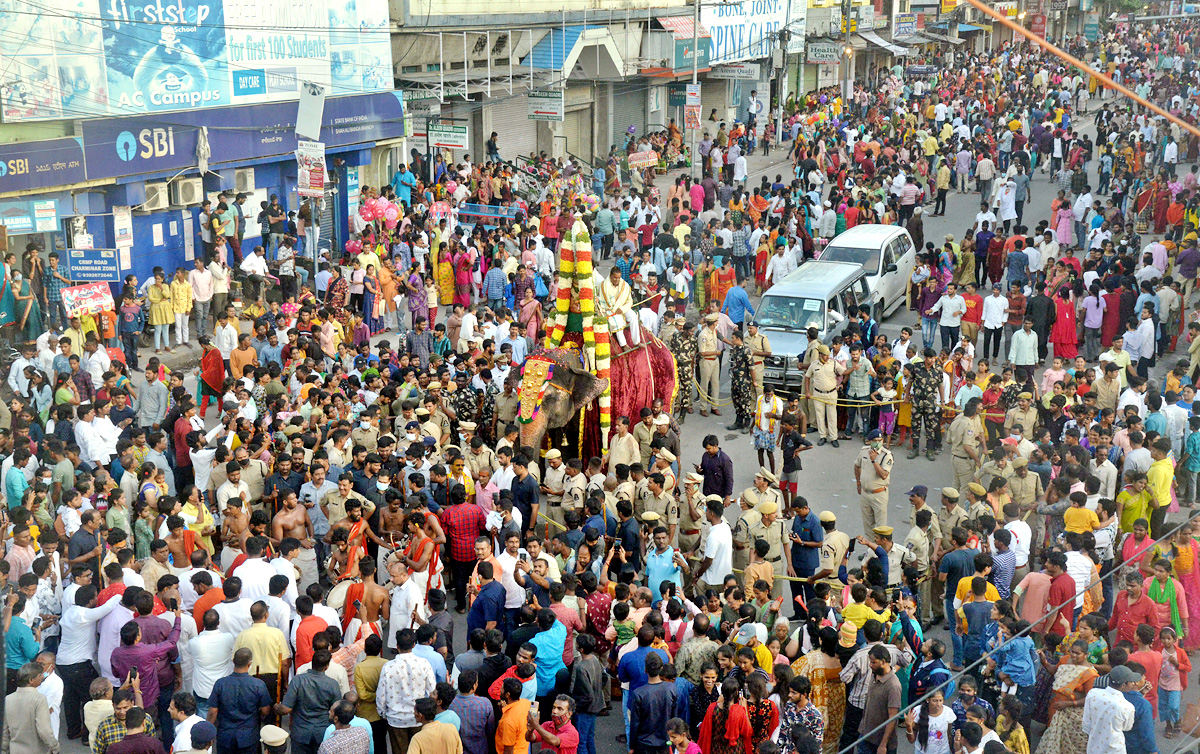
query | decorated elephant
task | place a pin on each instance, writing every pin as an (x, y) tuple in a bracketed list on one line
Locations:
[(554, 387), (555, 390)]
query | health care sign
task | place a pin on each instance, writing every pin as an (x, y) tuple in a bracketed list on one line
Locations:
[(153, 56)]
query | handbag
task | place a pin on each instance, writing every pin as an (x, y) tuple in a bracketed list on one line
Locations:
[(1191, 719)]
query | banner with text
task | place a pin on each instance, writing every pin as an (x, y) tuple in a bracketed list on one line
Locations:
[(91, 58), (310, 179), (87, 299)]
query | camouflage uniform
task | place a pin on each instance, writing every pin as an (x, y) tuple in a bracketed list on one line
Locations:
[(487, 412), (465, 403), (741, 382), (686, 353), (926, 386)]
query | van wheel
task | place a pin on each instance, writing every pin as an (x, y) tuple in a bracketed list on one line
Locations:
[(877, 313)]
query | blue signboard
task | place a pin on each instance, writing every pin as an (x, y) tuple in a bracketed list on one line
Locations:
[(93, 266), (132, 146), (35, 216), (29, 165), (103, 58)]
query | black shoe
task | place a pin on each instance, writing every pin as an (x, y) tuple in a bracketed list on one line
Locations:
[(930, 455), (734, 427), (835, 444), (914, 453), (821, 442), (746, 430)]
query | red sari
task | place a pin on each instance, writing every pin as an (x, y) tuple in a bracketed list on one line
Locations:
[(726, 731), (1063, 335), (1112, 318)]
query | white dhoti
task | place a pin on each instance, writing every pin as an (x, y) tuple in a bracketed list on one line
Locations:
[(620, 321), (306, 562)]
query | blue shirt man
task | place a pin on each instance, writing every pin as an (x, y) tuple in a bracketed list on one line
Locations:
[(1140, 738), (807, 526), (239, 699), (19, 642), (737, 303), (550, 643), (403, 182), (632, 667), (424, 649), (488, 606), (661, 566)]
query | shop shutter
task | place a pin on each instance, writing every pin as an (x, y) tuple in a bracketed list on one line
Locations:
[(510, 119), (712, 94), (578, 130), (629, 109)]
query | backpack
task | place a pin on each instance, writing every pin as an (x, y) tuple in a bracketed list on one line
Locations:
[(675, 640)]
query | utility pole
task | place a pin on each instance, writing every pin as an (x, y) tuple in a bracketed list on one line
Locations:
[(847, 57), (695, 75)]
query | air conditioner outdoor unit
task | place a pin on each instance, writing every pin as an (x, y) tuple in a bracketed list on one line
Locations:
[(244, 180), (157, 198), (186, 192)]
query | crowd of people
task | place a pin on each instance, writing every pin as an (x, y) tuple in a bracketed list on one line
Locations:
[(300, 557)]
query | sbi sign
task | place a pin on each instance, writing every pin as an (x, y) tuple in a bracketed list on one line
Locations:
[(147, 143)]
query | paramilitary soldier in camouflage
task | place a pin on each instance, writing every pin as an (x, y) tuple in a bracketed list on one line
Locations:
[(683, 346), (741, 382), (925, 394)]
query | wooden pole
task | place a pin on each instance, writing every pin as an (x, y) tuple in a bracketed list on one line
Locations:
[(1019, 29)]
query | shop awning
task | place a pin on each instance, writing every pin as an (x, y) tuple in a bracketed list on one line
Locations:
[(681, 27), (878, 41), (968, 27), (941, 37), (560, 50)]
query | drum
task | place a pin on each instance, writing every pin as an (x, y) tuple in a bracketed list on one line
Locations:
[(337, 595)]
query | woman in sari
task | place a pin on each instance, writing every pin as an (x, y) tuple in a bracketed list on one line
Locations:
[(1187, 571), (1111, 324), (1064, 224), (822, 668), (463, 262), (443, 273), (421, 560), (389, 287), (1063, 334), (372, 302), (530, 313), (1072, 680), (726, 727), (415, 294), (757, 206), (28, 311)]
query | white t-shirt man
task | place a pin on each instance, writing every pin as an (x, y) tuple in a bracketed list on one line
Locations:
[(719, 548)]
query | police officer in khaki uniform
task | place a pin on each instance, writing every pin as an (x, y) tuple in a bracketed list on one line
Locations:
[(977, 503), (965, 445), (950, 516), (919, 541), (574, 496), (834, 547), (741, 528), (917, 497), (872, 475), (691, 522), (820, 386), (760, 348), (663, 504), (809, 358), (553, 482), (429, 427), (708, 343), (1023, 413), (898, 555), (770, 528), (997, 467)]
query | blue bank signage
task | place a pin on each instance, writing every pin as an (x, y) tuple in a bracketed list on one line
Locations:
[(131, 146), (29, 165)]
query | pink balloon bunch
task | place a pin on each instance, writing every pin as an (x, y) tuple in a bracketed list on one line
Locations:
[(354, 246), (451, 186), (380, 209)]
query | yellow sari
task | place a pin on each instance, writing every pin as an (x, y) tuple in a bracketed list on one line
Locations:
[(444, 276)]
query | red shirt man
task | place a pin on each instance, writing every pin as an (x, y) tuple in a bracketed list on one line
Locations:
[(558, 734), (1132, 608), (1061, 595), (310, 626)]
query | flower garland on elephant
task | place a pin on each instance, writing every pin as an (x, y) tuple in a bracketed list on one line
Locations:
[(575, 291)]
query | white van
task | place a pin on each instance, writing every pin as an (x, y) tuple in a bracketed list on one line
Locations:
[(886, 254)]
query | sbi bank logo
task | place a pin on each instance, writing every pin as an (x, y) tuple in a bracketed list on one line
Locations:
[(147, 143), (3, 169), (126, 146)]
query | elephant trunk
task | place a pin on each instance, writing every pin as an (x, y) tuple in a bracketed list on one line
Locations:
[(533, 432)]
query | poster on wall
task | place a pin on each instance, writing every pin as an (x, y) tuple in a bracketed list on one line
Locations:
[(91, 58), (310, 179), (123, 227)]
